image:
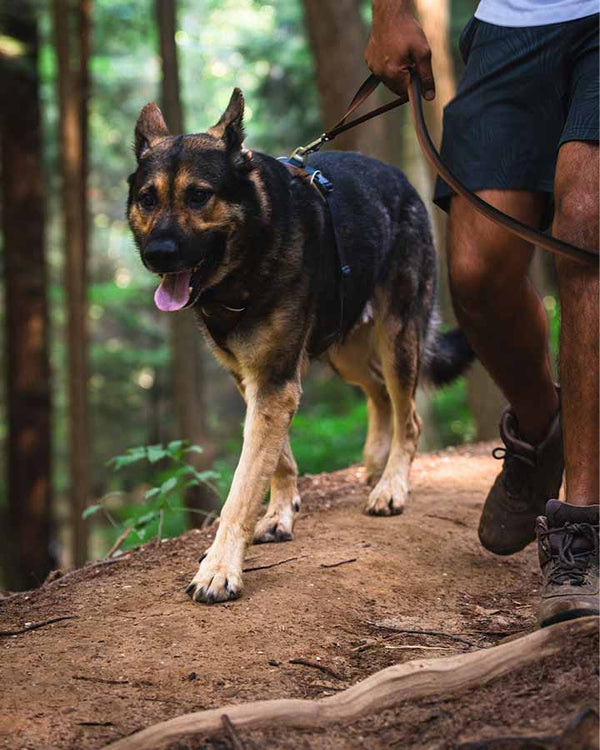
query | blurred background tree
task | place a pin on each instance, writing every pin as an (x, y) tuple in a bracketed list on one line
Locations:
[(149, 380)]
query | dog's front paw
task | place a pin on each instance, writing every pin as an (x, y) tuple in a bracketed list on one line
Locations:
[(276, 526), (215, 581), (388, 498)]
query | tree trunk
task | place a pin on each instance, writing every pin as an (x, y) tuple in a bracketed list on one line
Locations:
[(27, 543), (337, 37), (72, 95), (187, 358), (485, 399)]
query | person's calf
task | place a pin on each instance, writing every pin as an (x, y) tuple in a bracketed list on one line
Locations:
[(577, 220), (498, 308)]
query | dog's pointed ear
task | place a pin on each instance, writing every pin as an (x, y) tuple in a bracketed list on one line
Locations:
[(149, 129), (230, 127)]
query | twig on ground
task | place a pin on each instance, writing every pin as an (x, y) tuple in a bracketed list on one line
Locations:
[(231, 733), (64, 576), (436, 633), (35, 626), (455, 521), (366, 645), (161, 518), (337, 564), (316, 665), (100, 679), (210, 518), (119, 542), (90, 566), (272, 565)]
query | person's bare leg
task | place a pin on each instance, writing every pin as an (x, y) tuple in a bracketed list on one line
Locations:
[(498, 308), (576, 221)]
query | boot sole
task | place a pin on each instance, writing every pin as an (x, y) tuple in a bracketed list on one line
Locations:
[(505, 551), (571, 614)]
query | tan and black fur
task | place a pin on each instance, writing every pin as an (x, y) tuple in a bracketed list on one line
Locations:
[(268, 296)]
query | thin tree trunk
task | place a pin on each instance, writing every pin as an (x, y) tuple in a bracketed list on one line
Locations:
[(485, 399), (337, 37), (187, 357), (72, 94), (27, 543)]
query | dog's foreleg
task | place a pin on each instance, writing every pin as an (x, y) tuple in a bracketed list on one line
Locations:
[(269, 413), (278, 522)]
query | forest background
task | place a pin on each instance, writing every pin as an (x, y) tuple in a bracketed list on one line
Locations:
[(91, 370)]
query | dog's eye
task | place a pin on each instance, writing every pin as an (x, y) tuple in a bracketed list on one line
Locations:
[(196, 198), (147, 201)]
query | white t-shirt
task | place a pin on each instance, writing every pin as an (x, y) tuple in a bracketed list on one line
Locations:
[(534, 12)]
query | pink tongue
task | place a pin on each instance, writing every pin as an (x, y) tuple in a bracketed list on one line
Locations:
[(173, 292)]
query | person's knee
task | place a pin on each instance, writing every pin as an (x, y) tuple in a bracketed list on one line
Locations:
[(576, 194), (477, 281), (484, 262), (576, 218)]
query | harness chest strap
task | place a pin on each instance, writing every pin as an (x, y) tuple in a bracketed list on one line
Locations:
[(300, 170), (325, 189)]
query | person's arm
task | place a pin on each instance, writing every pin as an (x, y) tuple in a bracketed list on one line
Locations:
[(396, 44)]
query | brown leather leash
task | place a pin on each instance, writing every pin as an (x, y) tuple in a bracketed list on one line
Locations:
[(534, 236)]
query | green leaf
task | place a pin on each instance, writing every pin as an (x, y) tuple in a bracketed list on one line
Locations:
[(146, 519), (130, 458), (90, 510), (205, 476), (169, 485), (175, 445), (194, 449), (152, 493), (156, 453)]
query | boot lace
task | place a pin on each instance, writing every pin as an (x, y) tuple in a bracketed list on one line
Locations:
[(569, 566), (517, 470)]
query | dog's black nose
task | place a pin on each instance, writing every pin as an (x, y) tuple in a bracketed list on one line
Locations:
[(162, 255)]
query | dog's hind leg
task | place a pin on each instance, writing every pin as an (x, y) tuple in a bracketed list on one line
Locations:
[(356, 362), (277, 523), (399, 350)]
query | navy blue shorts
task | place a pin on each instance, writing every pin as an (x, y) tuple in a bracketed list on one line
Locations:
[(524, 92)]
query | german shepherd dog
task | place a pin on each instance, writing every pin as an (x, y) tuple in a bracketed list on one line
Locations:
[(250, 247)]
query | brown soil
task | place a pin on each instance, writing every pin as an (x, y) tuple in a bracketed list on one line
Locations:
[(139, 651)]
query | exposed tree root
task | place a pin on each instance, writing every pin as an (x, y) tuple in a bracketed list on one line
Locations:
[(416, 679)]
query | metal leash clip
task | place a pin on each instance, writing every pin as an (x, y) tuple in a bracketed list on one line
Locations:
[(298, 156)]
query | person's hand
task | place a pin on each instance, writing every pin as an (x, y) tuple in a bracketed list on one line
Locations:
[(396, 45)]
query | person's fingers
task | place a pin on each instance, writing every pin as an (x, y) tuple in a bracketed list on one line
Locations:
[(396, 80), (423, 68)]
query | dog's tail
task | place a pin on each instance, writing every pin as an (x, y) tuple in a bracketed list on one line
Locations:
[(447, 355)]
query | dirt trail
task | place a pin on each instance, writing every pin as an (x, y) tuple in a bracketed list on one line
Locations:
[(140, 652)]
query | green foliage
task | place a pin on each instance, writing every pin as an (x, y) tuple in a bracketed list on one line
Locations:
[(162, 512), (453, 416)]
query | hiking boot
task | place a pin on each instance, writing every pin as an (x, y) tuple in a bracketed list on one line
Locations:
[(531, 475), (568, 549)]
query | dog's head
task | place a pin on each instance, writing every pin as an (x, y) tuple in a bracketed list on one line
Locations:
[(188, 197)]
